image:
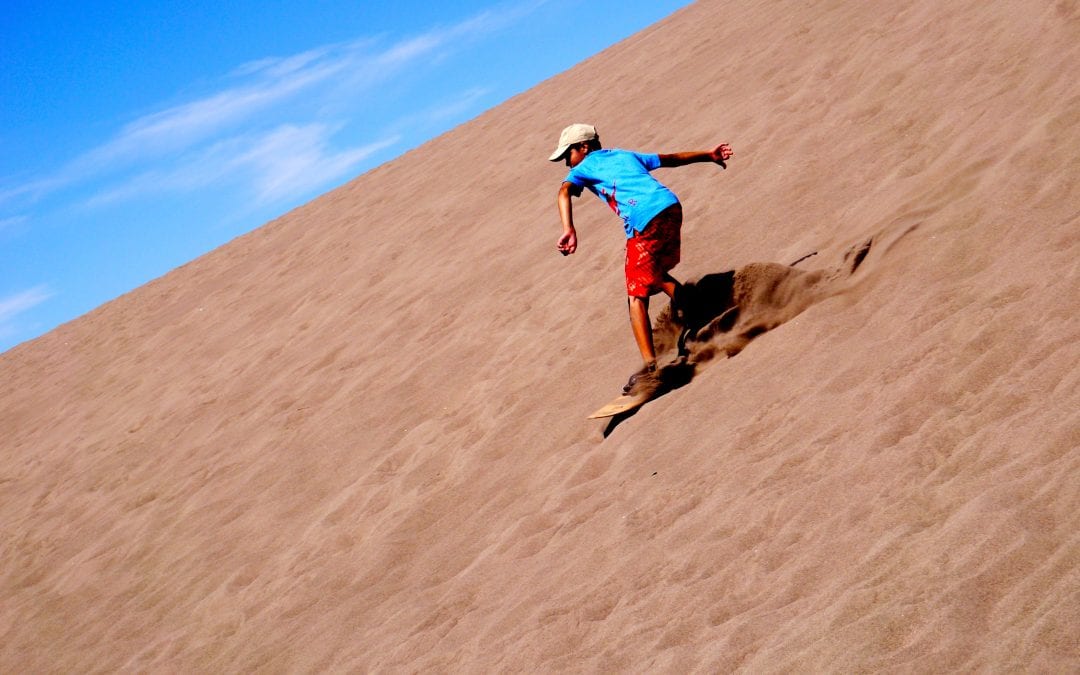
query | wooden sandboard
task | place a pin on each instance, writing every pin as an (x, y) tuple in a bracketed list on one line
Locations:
[(620, 405)]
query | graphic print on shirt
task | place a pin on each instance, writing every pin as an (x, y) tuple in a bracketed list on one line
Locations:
[(610, 199), (614, 204)]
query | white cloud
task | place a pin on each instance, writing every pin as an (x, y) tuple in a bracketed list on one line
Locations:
[(409, 50), (182, 126), (34, 189), (285, 162), (459, 105), (493, 20), (12, 222), (164, 137), (275, 81), (280, 66), (295, 160), (290, 107), (18, 303)]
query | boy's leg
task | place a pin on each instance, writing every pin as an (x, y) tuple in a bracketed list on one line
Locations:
[(669, 285), (649, 254), (641, 324), (642, 327)]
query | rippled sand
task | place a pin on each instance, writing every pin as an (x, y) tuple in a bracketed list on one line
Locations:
[(355, 439)]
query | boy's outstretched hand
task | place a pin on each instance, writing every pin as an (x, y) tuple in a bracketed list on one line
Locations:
[(721, 154), (568, 242)]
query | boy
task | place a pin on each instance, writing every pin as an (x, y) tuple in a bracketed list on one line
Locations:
[(651, 215)]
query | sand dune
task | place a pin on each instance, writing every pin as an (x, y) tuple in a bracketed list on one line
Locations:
[(355, 438)]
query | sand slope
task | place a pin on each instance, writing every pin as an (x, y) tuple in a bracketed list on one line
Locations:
[(354, 439)]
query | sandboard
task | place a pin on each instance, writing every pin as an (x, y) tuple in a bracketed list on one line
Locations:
[(621, 404)]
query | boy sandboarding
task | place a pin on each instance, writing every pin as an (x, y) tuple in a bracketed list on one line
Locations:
[(652, 221)]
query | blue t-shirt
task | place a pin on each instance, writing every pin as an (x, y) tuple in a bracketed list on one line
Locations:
[(622, 179)]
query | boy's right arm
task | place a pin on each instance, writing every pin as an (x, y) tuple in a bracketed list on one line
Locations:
[(568, 241), (717, 155)]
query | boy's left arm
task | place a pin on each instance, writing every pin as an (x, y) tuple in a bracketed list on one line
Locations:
[(717, 155)]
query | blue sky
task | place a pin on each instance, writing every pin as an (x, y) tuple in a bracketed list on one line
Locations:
[(135, 137)]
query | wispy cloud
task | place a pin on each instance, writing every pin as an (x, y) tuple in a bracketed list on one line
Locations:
[(295, 160), (12, 222), (181, 127), (18, 303), (463, 102), (282, 66), (276, 117), (286, 162)]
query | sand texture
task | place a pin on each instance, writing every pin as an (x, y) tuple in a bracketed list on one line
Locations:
[(355, 439)]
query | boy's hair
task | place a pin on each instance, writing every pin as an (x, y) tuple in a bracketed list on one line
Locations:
[(592, 144)]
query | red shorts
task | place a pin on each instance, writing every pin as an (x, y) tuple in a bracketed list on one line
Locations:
[(651, 253)]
